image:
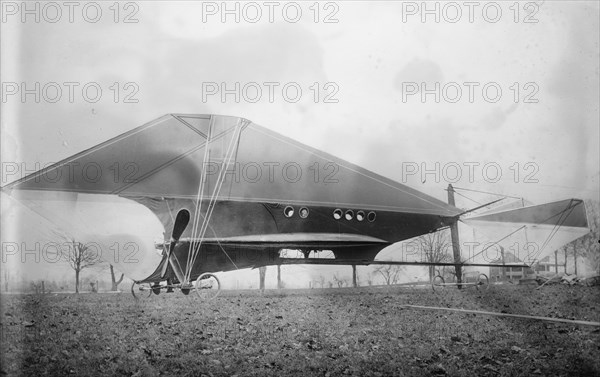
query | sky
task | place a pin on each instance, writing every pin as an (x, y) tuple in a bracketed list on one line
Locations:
[(379, 85)]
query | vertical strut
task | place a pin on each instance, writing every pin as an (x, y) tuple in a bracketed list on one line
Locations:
[(455, 240)]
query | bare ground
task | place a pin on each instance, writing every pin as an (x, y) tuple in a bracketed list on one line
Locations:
[(329, 332)]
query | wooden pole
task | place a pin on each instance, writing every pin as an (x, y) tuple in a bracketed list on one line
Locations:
[(549, 319), (455, 240), (503, 262), (278, 276), (354, 283), (262, 272)]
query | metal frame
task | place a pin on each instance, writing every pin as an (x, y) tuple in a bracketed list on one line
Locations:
[(203, 292), (480, 282)]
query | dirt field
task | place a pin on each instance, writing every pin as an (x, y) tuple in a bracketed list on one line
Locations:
[(329, 332)]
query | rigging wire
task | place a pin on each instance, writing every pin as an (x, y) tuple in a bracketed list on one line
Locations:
[(553, 232), (464, 196), (560, 222), (212, 203), (495, 243), (196, 243), (223, 249), (200, 193), (487, 192)]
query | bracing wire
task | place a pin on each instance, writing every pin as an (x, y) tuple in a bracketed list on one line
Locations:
[(212, 203), (495, 243), (466, 197), (553, 232), (487, 192), (556, 227), (198, 236), (200, 193)]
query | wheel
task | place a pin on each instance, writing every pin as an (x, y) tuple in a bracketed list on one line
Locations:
[(437, 282), (483, 281), (141, 291), (207, 286)]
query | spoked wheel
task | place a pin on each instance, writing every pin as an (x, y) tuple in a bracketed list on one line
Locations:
[(141, 291), (208, 286), (483, 282), (437, 283)]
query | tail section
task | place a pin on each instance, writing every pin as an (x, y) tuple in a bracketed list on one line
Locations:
[(534, 232)]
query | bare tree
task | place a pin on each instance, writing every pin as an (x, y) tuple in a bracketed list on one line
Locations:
[(79, 257), (390, 273), (587, 246), (115, 282), (339, 280), (321, 280), (436, 248)]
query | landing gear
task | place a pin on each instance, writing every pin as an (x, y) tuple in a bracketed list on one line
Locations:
[(207, 286), (483, 282), (437, 283), (141, 291)]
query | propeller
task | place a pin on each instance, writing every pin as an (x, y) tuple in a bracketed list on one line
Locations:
[(181, 222)]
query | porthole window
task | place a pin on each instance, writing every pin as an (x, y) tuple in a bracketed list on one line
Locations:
[(349, 215), (288, 211), (371, 216), (360, 215), (337, 214), (303, 212)]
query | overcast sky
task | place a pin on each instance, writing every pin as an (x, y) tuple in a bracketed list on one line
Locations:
[(366, 58)]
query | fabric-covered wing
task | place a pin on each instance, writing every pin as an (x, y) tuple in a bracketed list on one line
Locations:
[(530, 233), (165, 158)]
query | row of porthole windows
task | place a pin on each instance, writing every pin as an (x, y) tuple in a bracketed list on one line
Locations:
[(289, 212), (349, 215), (337, 214)]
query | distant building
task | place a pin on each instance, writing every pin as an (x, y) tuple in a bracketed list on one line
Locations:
[(471, 276), (544, 266), (509, 273)]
